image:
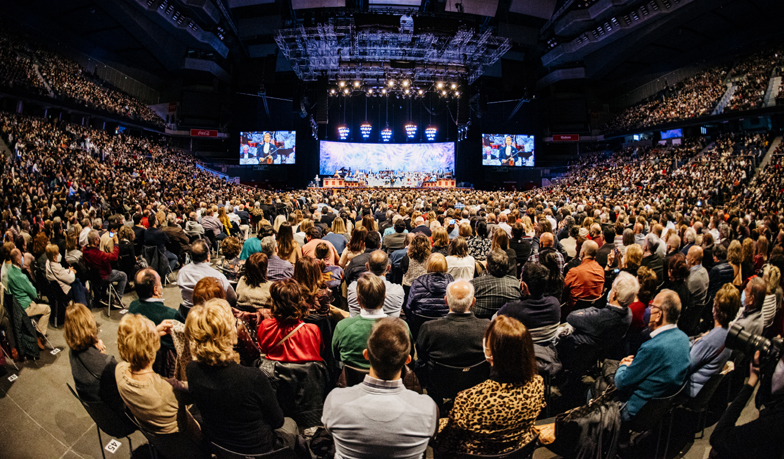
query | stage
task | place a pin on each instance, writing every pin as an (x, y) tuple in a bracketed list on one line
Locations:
[(342, 183)]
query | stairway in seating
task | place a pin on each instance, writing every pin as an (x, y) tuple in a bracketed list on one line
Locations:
[(702, 152), (769, 154), (773, 89), (725, 99), (36, 66)]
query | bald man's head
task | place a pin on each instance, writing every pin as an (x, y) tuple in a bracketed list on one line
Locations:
[(589, 249), (378, 263), (694, 256), (546, 240), (460, 296), (16, 257)]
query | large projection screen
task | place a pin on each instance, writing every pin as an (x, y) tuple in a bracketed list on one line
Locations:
[(426, 158)]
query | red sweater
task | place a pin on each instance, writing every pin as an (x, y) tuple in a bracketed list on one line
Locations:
[(97, 260), (302, 346)]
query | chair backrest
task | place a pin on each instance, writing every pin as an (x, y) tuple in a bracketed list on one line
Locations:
[(524, 452), (108, 420), (653, 411), (172, 446), (354, 375), (584, 303), (705, 394), (223, 453), (415, 322), (445, 381)]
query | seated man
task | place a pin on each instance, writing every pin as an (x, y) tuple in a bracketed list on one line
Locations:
[(396, 239), (540, 314), (586, 281), (495, 288), (350, 337), (198, 269), (155, 236), (150, 303), (100, 262), (380, 414), (22, 290), (378, 264), (455, 339), (661, 365), (600, 328), (358, 264)]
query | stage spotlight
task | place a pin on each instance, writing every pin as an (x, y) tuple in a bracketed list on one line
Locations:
[(342, 84), (384, 91), (453, 86), (421, 92), (411, 129), (332, 91), (346, 91), (457, 93), (406, 83), (386, 134), (370, 91), (440, 85), (357, 84), (407, 91), (343, 132), (391, 83), (443, 93), (430, 133), (365, 129)]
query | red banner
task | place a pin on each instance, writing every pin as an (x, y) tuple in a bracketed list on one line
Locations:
[(566, 137), (204, 133)]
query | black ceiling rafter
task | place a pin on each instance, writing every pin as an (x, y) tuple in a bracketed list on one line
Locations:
[(99, 30)]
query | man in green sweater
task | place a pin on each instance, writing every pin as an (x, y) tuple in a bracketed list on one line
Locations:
[(23, 291), (150, 302), (351, 335)]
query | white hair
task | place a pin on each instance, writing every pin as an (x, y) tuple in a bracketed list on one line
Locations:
[(459, 304), (690, 235), (626, 287)]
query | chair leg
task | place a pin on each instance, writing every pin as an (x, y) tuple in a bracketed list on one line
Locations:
[(658, 438), (669, 434), (100, 441), (130, 444), (8, 357), (35, 325)]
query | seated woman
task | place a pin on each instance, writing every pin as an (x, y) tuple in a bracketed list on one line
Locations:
[(479, 245), (253, 288), (708, 353), (286, 337), (498, 415), (158, 404), (440, 241), (238, 406), (92, 369), (677, 272), (429, 290), (66, 278), (127, 261), (460, 264), (231, 265)]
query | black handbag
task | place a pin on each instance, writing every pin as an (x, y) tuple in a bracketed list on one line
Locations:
[(589, 431)]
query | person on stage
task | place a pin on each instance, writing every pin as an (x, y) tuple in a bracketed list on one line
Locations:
[(268, 150), (508, 154)]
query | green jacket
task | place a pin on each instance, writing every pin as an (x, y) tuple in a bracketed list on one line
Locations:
[(20, 287)]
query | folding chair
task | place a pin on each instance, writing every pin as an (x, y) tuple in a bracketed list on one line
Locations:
[(652, 414), (107, 420), (223, 453)]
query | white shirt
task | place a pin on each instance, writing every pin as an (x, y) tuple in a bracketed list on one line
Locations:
[(662, 329), (83, 236), (192, 273), (392, 303), (461, 268)]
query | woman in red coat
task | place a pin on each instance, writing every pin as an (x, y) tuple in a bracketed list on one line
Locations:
[(285, 337)]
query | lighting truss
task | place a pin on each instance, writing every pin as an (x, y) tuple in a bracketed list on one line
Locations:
[(386, 134), (342, 52), (365, 129), (411, 129), (430, 133)]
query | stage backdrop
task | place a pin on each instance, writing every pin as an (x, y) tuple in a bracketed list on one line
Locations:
[(375, 157)]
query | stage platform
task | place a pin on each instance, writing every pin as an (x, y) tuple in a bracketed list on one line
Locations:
[(341, 183)]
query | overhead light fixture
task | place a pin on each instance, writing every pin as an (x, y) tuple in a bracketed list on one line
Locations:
[(443, 93), (454, 86), (440, 85), (386, 134), (421, 92), (457, 93), (406, 91), (346, 91), (332, 91), (391, 83), (343, 131), (342, 84), (405, 83), (365, 129), (411, 129), (384, 91), (430, 133), (357, 84)]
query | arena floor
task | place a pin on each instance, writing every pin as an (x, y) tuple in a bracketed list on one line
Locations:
[(41, 419)]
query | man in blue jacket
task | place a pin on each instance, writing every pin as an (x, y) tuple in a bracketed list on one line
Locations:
[(661, 365)]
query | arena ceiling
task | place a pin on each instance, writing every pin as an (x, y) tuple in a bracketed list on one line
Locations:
[(159, 36)]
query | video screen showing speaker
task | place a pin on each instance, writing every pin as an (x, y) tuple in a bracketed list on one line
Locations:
[(268, 147), (516, 150), (672, 134), (375, 164)]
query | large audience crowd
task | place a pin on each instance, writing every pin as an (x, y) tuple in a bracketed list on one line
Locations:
[(67, 79), (699, 95), (376, 322)]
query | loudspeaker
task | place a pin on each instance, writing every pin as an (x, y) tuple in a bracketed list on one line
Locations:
[(322, 101)]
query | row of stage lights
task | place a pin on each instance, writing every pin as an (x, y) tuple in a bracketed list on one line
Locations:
[(365, 129), (403, 87)]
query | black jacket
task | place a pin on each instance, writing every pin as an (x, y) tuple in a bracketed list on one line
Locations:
[(356, 266), (452, 340)]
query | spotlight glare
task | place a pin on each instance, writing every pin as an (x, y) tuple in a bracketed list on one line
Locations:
[(454, 86), (365, 129), (391, 83), (357, 83), (343, 131), (332, 91), (370, 90), (430, 133), (421, 92), (384, 91), (346, 91), (411, 129), (440, 85), (406, 91), (341, 83), (386, 134), (457, 93), (405, 83), (443, 93)]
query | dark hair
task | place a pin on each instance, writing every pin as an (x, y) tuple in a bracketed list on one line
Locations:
[(481, 228), (720, 252), (648, 285), (151, 220), (286, 242), (677, 267), (357, 243), (458, 247), (315, 232), (497, 263), (145, 283), (137, 218), (372, 240), (555, 280), (609, 234), (517, 230), (200, 251), (322, 250), (512, 349), (388, 347), (400, 226), (256, 269), (536, 277), (287, 301)]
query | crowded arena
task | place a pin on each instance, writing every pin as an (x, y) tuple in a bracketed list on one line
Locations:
[(392, 229)]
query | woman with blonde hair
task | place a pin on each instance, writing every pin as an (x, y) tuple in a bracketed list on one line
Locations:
[(429, 290), (735, 258), (337, 236), (440, 241), (238, 406), (224, 219), (279, 220), (528, 226), (760, 253), (772, 276), (158, 404), (747, 258), (92, 369)]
